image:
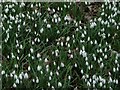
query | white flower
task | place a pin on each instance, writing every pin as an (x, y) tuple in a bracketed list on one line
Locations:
[(105, 56), (71, 56), (82, 35), (14, 85), (59, 84), (95, 41), (54, 63), (46, 60), (48, 26), (61, 43), (29, 68), (52, 87), (53, 10), (33, 42), (58, 31), (33, 80), (31, 5), (17, 81), (116, 81), (67, 17), (49, 77), (20, 76), (33, 57), (68, 38), (39, 67), (91, 42), (41, 72), (57, 72), (16, 65), (99, 19), (69, 77), (3, 72), (47, 40), (6, 10), (82, 71), (26, 76), (22, 4), (51, 73), (84, 54), (102, 65), (101, 84), (110, 79), (35, 25), (38, 55), (116, 61), (75, 65), (86, 63), (31, 49), (58, 68), (41, 30), (56, 20), (68, 45), (37, 80), (49, 84), (59, 19), (88, 83), (83, 48), (114, 69)]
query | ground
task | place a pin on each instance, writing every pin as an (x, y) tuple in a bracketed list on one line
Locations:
[(60, 45)]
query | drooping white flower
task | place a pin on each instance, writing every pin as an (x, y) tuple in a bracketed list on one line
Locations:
[(26, 75), (59, 84), (3, 72), (14, 85), (20, 76), (16, 65), (46, 60), (17, 81), (61, 43), (29, 68), (39, 67), (69, 77), (88, 83), (82, 71), (6, 10), (41, 30), (75, 64), (38, 55), (48, 26), (68, 38), (31, 50), (37, 80), (114, 70), (49, 84), (68, 17)]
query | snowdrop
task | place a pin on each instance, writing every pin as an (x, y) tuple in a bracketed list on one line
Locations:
[(69, 77), (75, 64), (39, 67), (26, 76), (62, 64), (29, 68), (31, 50), (48, 26), (37, 80), (59, 84), (38, 55), (17, 81), (3, 72), (68, 38), (14, 85)]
